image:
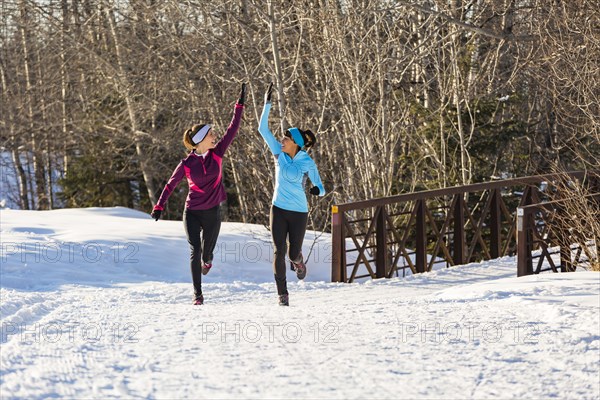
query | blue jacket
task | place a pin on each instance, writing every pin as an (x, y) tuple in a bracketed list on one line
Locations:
[(290, 173)]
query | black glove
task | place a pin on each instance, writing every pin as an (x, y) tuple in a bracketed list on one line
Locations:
[(242, 98), (268, 93), (156, 214), (314, 190)]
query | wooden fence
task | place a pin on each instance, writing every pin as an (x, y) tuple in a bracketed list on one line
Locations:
[(549, 244), (385, 237)]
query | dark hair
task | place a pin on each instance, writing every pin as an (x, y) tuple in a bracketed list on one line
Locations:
[(308, 136)]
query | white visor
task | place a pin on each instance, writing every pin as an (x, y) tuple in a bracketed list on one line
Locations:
[(201, 134)]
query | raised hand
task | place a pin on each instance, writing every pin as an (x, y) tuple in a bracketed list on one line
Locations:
[(242, 98), (268, 93)]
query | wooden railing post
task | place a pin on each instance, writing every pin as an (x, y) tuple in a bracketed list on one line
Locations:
[(421, 239), (495, 224), (564, 244), (565, 259), (524, 261), (459, 230), (381, 243), (338, 250)]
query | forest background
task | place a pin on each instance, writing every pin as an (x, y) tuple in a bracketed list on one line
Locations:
[(403, 95)]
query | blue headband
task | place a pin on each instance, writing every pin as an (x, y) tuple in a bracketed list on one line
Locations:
[(297, 136)]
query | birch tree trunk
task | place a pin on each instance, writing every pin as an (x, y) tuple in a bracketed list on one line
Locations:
[(63, 85), (125, 89), (280, 84), (36, 154), (13, 144)]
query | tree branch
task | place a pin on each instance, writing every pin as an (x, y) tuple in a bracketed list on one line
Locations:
[(473, 28)]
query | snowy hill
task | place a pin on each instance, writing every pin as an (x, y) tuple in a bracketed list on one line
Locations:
[(96, 303)]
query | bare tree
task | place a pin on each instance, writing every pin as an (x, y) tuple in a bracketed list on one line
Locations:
[(403, 95)]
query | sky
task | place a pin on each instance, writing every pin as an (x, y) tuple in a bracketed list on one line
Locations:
[(97, 303)]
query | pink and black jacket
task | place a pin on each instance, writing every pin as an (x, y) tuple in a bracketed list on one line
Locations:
[(204, 174)]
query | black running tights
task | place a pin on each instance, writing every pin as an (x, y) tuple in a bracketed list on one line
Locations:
[(286, 225), (202, 228)]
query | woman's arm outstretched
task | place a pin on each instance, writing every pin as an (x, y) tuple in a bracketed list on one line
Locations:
[(263, 126), (234, 125)]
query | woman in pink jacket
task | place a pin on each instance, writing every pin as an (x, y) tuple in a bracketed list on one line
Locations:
[(203, 169)]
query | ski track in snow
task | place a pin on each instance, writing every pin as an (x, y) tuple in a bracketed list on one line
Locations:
[(474, 331), (146, 341)]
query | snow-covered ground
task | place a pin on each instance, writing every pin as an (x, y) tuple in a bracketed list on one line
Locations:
[(96, 303)]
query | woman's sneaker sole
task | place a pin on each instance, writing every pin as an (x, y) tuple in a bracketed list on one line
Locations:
[(300, 269), (284, 300), (206, 268)]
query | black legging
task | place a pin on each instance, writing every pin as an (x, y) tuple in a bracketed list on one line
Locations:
[(202, 248), (284, 224)]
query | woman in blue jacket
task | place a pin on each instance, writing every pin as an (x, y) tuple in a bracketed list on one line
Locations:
[(289, 209)]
